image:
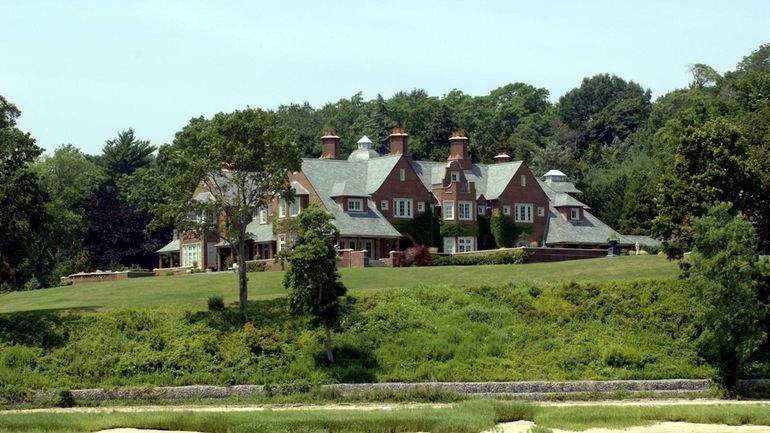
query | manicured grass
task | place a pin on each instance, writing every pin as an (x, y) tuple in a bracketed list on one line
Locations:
[(471, 416), (191, 291)]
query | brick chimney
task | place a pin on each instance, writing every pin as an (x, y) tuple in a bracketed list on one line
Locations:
[(399, 142), (502, 157), (458, 149), (330, 146)]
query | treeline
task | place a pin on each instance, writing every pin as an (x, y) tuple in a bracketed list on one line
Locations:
[(645, 167)]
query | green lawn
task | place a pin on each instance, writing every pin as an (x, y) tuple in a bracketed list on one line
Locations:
[(191, 291)]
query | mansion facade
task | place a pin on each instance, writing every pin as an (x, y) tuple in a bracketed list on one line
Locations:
[(370, 196)]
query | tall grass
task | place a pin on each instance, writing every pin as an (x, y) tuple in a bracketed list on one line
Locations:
[(471, 416), (635, 330)]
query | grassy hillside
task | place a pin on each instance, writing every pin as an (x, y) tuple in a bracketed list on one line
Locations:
[(525, 331), (191, 291)]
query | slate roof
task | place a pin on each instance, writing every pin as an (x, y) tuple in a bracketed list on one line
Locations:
[(172, 246), (490, 179), (566, 187), (333, 178), (588, 230)]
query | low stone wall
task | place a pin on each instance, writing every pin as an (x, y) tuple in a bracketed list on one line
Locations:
[(93, 277), (162, 272), (538, 255), (524, 390)]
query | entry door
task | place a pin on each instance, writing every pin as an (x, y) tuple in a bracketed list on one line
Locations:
[(369, 247)]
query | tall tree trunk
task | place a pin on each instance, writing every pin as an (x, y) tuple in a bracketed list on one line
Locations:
[(242, 278), (329, 354)]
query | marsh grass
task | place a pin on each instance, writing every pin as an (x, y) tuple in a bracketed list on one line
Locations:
[(470, 416), (585, 417)]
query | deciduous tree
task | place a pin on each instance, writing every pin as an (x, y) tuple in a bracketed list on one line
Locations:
[(244, 157), (725, 275), (312, 279)]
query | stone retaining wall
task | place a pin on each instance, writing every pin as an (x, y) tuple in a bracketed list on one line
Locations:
[(522, 390)]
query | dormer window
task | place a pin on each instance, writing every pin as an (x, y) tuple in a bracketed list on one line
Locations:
[(455, 176), (355, 205), (295, 207), (574, 214)]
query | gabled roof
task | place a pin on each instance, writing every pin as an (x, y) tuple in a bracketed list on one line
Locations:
[(490, 179), (335, 178)]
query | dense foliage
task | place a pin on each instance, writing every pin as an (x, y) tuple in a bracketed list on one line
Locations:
[(633, 330), (645, 166), (726, 275)]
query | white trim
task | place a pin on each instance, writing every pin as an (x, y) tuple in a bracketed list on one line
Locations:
[(540, 211), (523, 180), (480, 210), (359, 205), (383, 205), (469, 206), (523, 212), (282, 207), (420, 206), (574, 214), (454, 176), (296, 207), (402, 174), (506, 210), (466, 244), (402, 208), (448, 209)]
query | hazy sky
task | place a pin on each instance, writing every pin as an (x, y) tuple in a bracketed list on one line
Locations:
[(81, 71)]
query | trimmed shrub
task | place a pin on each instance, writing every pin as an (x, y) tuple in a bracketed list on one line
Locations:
[(255, 266), (512, 257), (216, 303)]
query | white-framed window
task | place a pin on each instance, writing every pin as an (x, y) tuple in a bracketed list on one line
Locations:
[(282, 207), (281, 242), (480, 210), (295, 207), (191, 255), (355, 205), (448, 209), (402, 207), (464, 210), (506, 210), (540, 211), (574, 213), (263, 216), (523, 180), (384, 204), (352, 245), (402, 174), (523, 212), (420, 206), (450, 246), (455, 176), (465, 244)]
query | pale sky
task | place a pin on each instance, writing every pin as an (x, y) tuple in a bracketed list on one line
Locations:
[(80, 71)]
